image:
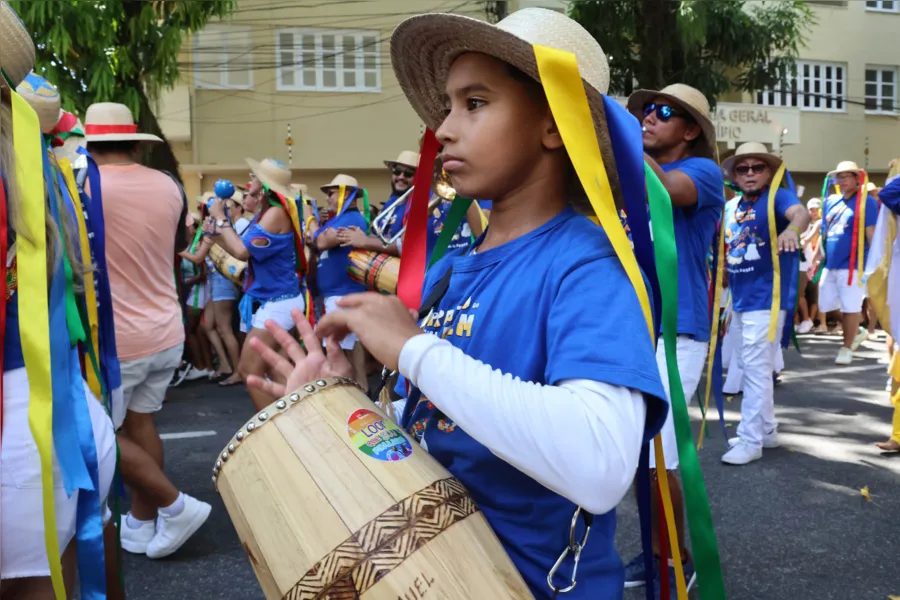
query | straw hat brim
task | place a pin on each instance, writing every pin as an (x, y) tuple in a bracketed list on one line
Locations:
[(390, 164), (122, 137), (18, 54), (272, 185), (639, 98), (728, 164), (839, 171), (424, 47)]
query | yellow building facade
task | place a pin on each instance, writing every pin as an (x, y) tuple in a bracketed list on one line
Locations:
[(310, 83)]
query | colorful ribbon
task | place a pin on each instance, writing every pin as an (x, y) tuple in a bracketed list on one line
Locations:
[(773, 247), (34, 308), (858, 248), (452, 221)]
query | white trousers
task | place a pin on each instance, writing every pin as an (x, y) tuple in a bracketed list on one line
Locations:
[(734, 380), (757, 359), (691, 356)]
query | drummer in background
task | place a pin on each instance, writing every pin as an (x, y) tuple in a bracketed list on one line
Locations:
[(680, 142), (272, 288), (403, 171), (332, 279), (537, 384)]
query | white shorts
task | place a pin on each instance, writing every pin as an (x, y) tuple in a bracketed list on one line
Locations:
[(22, 549), (331, 306), (145, 381), (835, 293), (198, 296), (804, 267), (277, 310), (691, 356)]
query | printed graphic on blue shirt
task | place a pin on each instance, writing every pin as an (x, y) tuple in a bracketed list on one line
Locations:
[(331, 272), (837, 229), (749, 252), (532, 310)]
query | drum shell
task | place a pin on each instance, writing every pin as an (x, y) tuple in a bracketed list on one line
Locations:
[(378, 272), (227, 265), (319, 516)]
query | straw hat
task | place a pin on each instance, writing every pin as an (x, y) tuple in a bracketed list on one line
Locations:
[(16, 47), (300, 188), (111, 122), (690, 99), (814, 203), (407, 158), (344, 180), (43, 98), (871, 187), (424, 47), (845, 166), (273, 174), (750, 150)]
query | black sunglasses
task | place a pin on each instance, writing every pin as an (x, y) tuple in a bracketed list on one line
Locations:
[(664, 112), (405, 172), (744, 169)]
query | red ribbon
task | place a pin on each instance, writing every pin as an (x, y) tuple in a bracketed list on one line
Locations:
[(68, 121), (412, 266), (104, 129)]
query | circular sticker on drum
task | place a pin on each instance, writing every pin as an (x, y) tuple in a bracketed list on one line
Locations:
[(376, 437)]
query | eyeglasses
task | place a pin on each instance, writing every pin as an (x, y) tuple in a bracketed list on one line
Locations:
[(744, 169), (664, 112), (405, 172)]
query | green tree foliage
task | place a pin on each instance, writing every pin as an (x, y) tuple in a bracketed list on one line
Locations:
[(713, 45), (116, 51)]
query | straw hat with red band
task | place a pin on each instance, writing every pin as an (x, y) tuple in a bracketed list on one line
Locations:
[(111, 122)]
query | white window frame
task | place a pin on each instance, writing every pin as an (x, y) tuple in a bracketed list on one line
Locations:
[(360, 51), (797, 96), (224, 31), (884, 6), (880, 70)]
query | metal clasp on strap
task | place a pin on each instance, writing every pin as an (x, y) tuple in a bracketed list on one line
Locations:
[(575, 547)]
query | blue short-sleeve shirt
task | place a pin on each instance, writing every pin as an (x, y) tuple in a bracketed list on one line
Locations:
[(332, 278), (837, 229)]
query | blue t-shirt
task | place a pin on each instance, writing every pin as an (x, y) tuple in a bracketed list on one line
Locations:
[(837, 229), (890, 195), (272, 264), (332, 278), (551, 305), (395, 223), (463, 236), (695, 228), (749, 253)]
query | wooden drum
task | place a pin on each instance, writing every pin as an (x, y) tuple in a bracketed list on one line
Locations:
[(227, 265), (332, 500), (378, 272)]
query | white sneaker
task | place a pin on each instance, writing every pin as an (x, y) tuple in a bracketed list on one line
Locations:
[(770, 440), (194, 374), (740, 454), (844, 357), (805, 327), (862, 336), (137, 540), (173, 532)]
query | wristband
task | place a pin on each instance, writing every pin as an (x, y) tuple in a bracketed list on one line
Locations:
[(794, 229)]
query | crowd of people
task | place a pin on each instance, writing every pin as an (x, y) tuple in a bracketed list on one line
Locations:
[(125, 292)]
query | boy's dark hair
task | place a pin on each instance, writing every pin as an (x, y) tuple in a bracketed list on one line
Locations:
[(127, 146)]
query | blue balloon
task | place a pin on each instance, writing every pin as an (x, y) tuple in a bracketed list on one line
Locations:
[(224, 188)]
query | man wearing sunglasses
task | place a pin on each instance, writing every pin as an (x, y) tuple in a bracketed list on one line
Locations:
[(680, 143), (403, 171), (748, 246)]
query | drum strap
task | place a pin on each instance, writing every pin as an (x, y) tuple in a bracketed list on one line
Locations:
[(437, 293)]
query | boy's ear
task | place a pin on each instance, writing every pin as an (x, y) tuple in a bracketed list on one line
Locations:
[(551, 139)]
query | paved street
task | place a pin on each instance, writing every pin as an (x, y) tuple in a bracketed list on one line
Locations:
[(793, 525)]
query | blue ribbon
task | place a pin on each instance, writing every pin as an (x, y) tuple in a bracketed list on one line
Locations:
[(628, 150), (73, 433)]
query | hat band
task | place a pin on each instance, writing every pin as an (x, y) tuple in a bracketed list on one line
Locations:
[(104, 129)]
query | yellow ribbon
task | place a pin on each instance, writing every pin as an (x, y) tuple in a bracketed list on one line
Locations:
[(34, 309), (714, 333), (90, 292), (568, 102), (342, 190), (773, 247), (482, 216)]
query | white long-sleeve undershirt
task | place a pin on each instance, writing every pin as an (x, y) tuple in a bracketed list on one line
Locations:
[(581, 438)]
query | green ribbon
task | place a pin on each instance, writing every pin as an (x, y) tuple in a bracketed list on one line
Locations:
[(366, 212), (710, 582), (457, 213), (73, 319)]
